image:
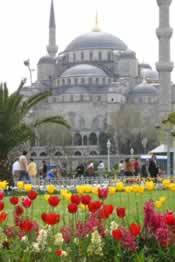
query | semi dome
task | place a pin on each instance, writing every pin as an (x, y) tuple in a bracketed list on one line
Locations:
[(96, 40), (46, 60), (144, 89), (83, 70)]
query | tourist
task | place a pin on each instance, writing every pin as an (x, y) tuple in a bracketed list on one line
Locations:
[(121, 167), (136, 167), (16, 171), (128, 167), (44, 169), (32, 170), (80, 170), (101, 168), (153, 167), (51, 175), (24, 176), (90, 169)]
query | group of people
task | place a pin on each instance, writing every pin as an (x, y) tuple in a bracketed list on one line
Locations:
[(134, 168), (24, 170)]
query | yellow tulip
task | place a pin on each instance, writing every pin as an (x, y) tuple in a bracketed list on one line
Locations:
[(119, 186), (135, 188), (20, 184), (27, 187), (172, 186), (3, 184), (162, 199), (141, 189), (149, 185), (50, 188), (166, 182), (68, 195), (83, 206), (111, 190), (128, 189), (63, 191), (95, 191), (157, 203), (46, 196)]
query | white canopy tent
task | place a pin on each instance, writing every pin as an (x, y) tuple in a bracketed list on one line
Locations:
[(161, 149)]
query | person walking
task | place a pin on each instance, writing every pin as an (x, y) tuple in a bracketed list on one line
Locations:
[(32, 170), (136, 166), (101, 168), (128, 167), (153, 167), (121, 167), (16, 171), (24, 176)]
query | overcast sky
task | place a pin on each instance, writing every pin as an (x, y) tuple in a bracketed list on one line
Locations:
[(24, 29)]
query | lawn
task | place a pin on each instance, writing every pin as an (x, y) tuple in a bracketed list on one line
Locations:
[(133, 202)]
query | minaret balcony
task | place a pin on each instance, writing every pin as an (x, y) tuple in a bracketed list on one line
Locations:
[(165, 32)]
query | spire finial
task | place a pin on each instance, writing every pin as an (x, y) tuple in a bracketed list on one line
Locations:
[(52, 16), (96, 27)]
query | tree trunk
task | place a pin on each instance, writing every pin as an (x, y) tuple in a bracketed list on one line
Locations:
[(5, 172)]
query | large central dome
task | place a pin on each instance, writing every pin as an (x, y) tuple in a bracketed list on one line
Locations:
[(96, 40)]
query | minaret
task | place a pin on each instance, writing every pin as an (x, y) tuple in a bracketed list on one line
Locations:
[(96, 26), (52, 48), (164, 66)]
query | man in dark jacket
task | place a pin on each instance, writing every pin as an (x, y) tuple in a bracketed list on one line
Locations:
[(153, 167)]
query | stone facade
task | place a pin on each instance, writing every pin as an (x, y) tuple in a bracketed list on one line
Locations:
[(95, 76)]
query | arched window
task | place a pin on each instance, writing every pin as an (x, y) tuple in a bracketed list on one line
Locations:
[(67, 58), (109, 56), (58, 154), (97, 81), (77, 139), (76, 81), (69, 81), (93, 153), (82, 80), (77, 153), (104, 81), (33, 154), (82, 56), (90, 56), (43, 154), (99, 56), (90, 81), (93, 139), (85, 140), (63, 82), (74, 57)]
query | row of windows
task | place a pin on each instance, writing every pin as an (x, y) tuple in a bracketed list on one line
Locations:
[(90, 58), (76, 98), (89, 81)]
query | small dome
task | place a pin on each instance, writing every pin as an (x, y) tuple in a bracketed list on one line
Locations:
[(46, 60), (96, 40), (83, 70), (144, 89), (145, 66), (150, 75)]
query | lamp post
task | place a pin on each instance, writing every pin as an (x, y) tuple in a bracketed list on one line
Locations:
[(108, 147), (132, 152), (168, 133), (27, 64)]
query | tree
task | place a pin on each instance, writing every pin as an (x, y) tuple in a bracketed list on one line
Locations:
[(14, 130)]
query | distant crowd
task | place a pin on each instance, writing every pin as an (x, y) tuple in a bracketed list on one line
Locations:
[(28, 171)]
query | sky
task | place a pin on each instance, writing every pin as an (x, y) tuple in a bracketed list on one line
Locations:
[(24, 30)]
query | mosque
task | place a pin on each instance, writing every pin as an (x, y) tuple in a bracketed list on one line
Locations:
[(95, 76)]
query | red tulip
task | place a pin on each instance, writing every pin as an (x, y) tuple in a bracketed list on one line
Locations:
[(53, 200), (121, 211), (26, 225), (94, 206), (14, 200), (18, 210), (117, 233), (3, 216), (75, 199), (58, 252), (50, 218), (72, 208), (85, 199), (134, 229), (26, 202), (32, 194), (102, 192), (1, 195), (169, 218), (1, 205)]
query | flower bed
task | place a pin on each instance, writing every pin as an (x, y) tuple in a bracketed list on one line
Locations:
[(88, 229)]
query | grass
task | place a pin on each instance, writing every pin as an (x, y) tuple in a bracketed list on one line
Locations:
[(133, 202)]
